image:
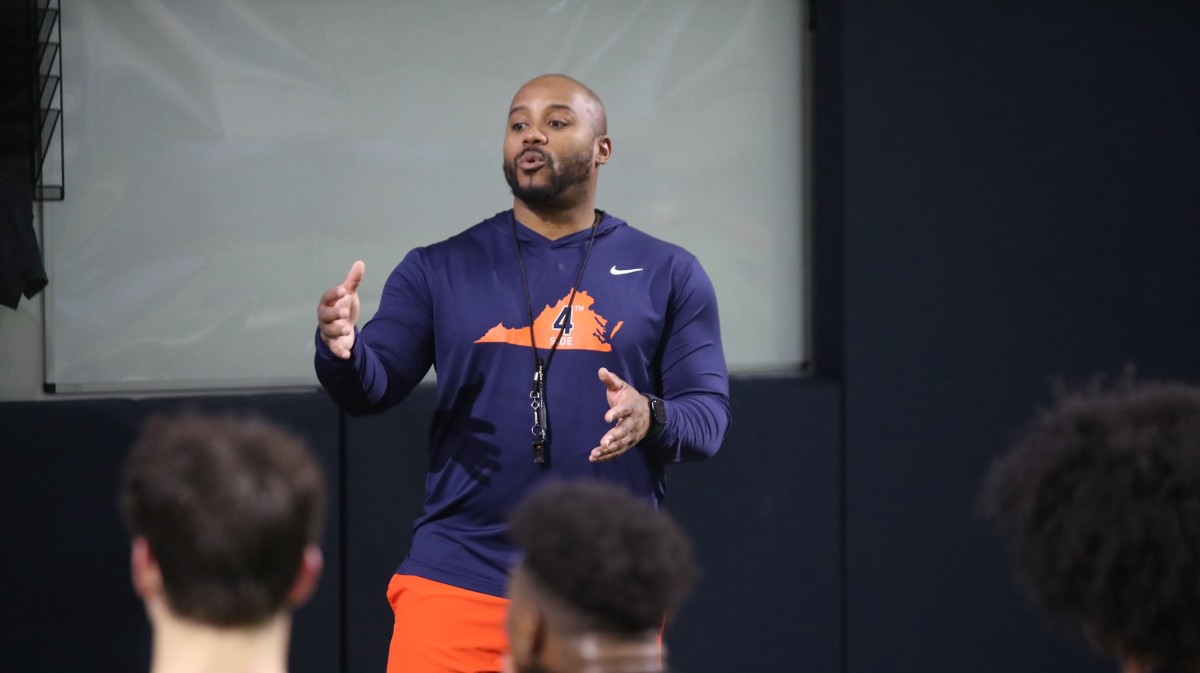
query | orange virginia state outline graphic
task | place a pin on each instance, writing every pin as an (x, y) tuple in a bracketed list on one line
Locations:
[(585, 331)]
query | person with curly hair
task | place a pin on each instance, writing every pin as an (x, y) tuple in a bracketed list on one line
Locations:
[(224, 515), (600, 574), (1098, 504)]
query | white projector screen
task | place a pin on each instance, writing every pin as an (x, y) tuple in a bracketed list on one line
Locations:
[(227, 160)]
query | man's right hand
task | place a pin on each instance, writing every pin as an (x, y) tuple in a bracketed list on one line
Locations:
[(338, 312)]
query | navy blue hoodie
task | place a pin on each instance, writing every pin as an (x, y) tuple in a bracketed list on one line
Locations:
[(644, 309)]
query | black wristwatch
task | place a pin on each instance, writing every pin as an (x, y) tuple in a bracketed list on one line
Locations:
[(658, 413)]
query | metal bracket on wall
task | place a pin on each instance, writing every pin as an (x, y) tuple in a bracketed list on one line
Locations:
[(47, 152)]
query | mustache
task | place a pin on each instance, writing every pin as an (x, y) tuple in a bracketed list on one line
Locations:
[(532, 150)]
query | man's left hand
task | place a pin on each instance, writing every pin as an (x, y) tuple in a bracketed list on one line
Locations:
[(631, 412)]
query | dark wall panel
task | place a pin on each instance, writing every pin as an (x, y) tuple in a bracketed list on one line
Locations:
[(68, 602), (765, 513), (1020, 202)]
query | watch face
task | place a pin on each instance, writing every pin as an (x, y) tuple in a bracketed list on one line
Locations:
[(657, 410)]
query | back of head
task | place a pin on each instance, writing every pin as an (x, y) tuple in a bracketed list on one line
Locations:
[(227, 507), (610, 562), (1099, 505)]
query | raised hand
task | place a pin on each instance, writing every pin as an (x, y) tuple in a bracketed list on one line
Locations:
[(338, 312), (631, 412)]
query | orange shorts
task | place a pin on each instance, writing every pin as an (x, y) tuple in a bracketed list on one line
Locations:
[(444, 629)]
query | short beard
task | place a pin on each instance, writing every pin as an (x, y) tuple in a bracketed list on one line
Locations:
[(574, 171)]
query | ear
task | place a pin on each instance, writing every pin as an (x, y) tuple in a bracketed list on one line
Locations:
[(603, 151), (540, 634), (527, 630), (306, 579), (144, 570)]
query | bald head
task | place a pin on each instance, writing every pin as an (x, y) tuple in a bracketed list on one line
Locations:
[(575, 94)]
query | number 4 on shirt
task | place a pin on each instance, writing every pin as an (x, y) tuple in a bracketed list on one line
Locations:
[(564, 318)]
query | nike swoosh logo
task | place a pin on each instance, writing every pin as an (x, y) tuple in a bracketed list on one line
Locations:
[(621, 272)]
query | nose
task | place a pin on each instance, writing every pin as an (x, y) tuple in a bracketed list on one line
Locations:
[(533, 136)]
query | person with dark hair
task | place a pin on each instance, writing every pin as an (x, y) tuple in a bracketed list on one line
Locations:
[(224, 516), (601, 572), (566, 343), (1099, 506)]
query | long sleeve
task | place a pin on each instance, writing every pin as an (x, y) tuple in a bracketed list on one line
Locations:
[(695, 382), (391, 353)]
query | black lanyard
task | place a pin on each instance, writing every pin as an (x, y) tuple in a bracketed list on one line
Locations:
[(537, 396)]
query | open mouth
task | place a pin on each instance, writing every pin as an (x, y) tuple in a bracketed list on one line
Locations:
[(531, 160)]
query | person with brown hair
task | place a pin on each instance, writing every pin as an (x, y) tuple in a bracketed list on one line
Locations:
[(224, 516)]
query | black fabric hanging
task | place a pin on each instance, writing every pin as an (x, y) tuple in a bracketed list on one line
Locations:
[(21, 269)]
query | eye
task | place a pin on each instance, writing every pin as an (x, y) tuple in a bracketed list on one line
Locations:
[(519, 126), (557, 123)]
